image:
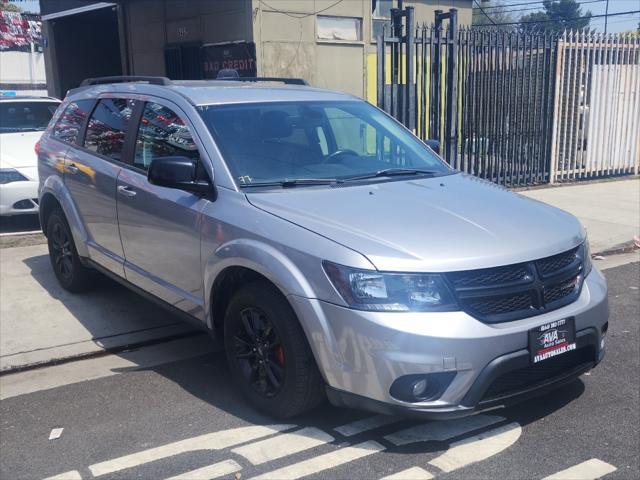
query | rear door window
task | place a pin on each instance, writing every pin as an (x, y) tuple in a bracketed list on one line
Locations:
[(68, 126), (162, 133), (107, 127)]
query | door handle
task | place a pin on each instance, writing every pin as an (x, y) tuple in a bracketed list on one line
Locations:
[(72, 169), (126, 191)]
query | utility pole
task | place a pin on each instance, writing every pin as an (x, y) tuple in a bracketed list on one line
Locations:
[(606, 17)]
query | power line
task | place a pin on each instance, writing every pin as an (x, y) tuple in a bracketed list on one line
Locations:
[(299, 15), (508, 5), (569, 19), (485, 13), (529, 8)]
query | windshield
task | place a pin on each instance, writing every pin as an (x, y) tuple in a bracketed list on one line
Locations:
[(281, 142), (25, 116)]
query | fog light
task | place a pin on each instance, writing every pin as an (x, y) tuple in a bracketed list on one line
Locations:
[(419, 388)]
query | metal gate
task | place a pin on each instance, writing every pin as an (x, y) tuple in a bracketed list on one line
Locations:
[(486, 95)]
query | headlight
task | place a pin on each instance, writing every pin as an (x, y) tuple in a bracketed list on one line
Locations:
[(9, 175), (392, 292), (585, 253)]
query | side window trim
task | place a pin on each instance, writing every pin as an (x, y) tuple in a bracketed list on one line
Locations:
[(131, 135), (83, 128)]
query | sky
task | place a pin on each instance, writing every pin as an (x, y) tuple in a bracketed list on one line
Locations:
[(616, 24)]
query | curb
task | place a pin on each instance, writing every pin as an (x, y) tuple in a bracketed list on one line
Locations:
[(98, 352)]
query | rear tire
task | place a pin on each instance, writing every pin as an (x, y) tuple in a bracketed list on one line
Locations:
[(268, 352), (72, 275)]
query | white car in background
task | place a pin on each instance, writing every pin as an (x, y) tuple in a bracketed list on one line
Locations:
[(22, 121)]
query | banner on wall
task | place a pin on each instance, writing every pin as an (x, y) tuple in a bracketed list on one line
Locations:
[(238, 56)]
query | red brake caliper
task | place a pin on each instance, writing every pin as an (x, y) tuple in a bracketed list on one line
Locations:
[(280, 355)]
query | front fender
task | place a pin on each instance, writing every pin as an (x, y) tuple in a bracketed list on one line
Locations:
[(53, 185), (285, 274)]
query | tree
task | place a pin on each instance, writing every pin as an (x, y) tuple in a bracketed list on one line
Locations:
[(5, 6), (558, 15), (493, 12)]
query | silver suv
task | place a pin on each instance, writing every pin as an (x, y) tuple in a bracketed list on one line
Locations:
[(332, 251)]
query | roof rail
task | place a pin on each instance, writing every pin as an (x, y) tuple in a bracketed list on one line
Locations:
[(124, 79)]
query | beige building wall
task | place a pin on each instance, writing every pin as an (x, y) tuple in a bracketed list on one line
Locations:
[(285, 33), (287, 44)]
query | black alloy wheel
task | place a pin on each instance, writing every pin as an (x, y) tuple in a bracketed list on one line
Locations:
[(66, 263), (61, 253), (268, 353), (259, 352)]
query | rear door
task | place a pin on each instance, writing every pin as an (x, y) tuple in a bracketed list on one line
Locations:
[(160, 227), (91, 170)]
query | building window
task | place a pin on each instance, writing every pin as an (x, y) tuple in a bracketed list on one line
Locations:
[(380, 15), (347, 29)]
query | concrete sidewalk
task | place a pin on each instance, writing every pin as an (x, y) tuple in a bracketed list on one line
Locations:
[(609, 211), (41, 323)]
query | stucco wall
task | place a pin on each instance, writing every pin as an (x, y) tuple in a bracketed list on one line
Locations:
[(285, 33)]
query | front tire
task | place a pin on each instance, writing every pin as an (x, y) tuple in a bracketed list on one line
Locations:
[(72, 275), (268, 352)]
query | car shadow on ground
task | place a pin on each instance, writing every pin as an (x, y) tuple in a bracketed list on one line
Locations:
[(107, 310)]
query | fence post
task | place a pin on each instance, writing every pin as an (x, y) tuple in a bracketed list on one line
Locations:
[(559, 72), (380, 73), (451, 151), (410, 96)]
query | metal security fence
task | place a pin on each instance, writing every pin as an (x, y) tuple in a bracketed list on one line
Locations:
[(597, 107), (515, 108)]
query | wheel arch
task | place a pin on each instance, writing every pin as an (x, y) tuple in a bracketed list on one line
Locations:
[(54, 193)]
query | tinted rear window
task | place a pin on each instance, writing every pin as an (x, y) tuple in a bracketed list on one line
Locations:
[(108, 125), (25, 116), (70, 122)]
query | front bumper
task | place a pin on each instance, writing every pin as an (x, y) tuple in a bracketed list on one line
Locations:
[(18, 198), (361, 353)]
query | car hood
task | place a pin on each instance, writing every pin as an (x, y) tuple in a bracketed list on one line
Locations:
[(17, 149), (455, 222)]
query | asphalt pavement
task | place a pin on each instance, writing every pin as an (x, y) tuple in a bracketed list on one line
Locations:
[(170, 411)]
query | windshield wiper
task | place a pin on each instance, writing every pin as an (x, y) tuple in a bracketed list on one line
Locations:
[(392, 172), (293, 183)]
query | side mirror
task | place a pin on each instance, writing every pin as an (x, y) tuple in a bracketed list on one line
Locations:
[(178, 172), (434, 145)]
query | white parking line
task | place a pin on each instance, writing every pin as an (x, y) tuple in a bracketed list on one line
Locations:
[(323, 462), (210, 472), (441, 431), (369, 423), (283, 445), (209, 441), (71, 475), (477, 448), (589, 470), (413, 473)]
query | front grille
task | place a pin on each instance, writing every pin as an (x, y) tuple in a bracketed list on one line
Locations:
[(498, 305), (550, 265), (490, 276), (536, 374), (556, 292), (521, 290)]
